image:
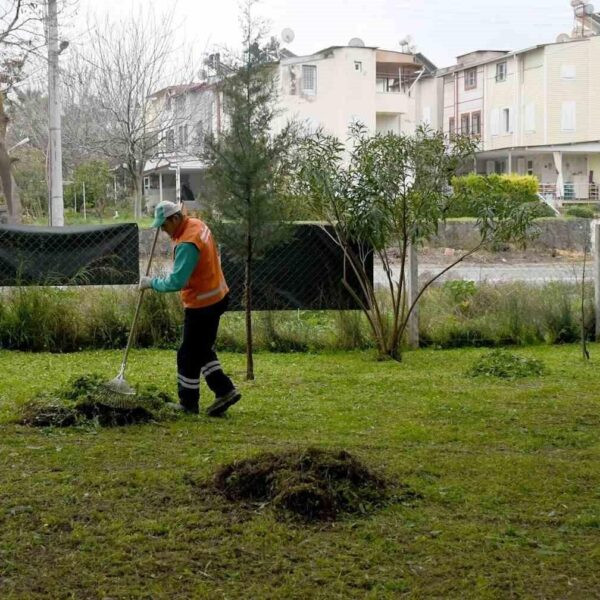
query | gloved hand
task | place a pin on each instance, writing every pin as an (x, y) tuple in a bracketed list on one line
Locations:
[(145, 283)]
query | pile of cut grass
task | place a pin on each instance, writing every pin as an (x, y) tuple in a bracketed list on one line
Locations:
[(86, 399), (506, 365), (312, 484)]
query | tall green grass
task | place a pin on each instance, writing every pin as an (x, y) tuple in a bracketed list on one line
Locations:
[(454, 314)]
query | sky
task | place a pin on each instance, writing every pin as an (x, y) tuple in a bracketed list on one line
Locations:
[(441, 29)]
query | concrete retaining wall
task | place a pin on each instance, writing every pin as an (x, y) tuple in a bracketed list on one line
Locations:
[(554, 234)]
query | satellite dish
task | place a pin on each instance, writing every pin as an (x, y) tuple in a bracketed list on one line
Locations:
[(287, 35), (563, 37), (588, 9), (356, 42)]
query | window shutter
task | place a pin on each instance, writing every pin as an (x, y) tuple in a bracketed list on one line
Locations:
[(530, 117), (495, 124), (568, 116)]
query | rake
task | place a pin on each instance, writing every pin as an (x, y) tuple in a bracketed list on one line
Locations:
[(119, 386)]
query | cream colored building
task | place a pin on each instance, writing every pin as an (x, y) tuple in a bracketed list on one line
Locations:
[(536, 111), (342, 84)]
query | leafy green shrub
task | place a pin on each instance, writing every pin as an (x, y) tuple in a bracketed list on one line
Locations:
[(504, 364), (508, 190), (581, 212)]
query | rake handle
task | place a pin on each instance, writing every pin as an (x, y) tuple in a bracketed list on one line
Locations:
[(137, 308)]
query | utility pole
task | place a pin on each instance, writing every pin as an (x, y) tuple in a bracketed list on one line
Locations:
[(56, 216)]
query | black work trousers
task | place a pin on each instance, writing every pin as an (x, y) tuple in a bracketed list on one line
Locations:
[(196, 355)]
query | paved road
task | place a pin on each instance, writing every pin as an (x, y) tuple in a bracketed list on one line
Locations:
[(503, 272)]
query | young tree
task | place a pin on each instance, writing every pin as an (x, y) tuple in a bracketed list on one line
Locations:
[(391, 192), (249, 161)]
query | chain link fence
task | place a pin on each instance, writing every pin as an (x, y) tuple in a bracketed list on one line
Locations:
[(96, 255), (304, 272)]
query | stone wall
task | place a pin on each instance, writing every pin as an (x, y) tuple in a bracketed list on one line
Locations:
[(554, 234)]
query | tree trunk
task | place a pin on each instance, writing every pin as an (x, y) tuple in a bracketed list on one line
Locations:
[(248, 303), (16, 216), (7, 184), (137, 200)]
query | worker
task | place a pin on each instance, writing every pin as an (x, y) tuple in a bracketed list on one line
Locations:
[(197, 275)]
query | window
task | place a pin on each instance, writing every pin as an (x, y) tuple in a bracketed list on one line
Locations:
[(529, 167), (568, 119), (180, 103), (183, 135), (470, 79), (426, 115), (170, 140), (200, 133), (530, 117), (465, 124), (501, 71), (506, 121), (451, 126), (568, 72), (309, 79), (476, 123), (357, 65)]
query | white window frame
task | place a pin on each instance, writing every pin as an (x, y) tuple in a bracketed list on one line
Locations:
[(506, 123), (309, 91), (471, 85), (501, 73)]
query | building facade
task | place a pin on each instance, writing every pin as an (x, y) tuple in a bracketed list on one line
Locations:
[(343, 84), (535, 111)]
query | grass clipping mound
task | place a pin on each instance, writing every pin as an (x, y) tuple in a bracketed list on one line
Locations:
[(87, 400), (311, 484), (504, 364)]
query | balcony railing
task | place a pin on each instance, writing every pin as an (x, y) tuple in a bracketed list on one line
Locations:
[(572, 192), (391, 85)]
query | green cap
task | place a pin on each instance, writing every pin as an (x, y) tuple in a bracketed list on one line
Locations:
[(163, 211)]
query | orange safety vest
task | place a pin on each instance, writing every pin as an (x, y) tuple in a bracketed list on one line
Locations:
[(207, 283)]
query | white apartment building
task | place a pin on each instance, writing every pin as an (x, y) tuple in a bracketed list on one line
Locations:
[(342, 84), (181, 115), (330, 89), (536, 111)]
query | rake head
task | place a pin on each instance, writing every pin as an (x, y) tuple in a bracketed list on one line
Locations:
[(119, 385)]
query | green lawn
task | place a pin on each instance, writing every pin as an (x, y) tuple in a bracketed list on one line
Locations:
[(509, 473)]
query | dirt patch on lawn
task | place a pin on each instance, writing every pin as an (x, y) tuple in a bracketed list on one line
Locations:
[(311, 484), (87, 400)]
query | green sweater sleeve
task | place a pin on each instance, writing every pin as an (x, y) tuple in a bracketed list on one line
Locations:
[(186, 259)]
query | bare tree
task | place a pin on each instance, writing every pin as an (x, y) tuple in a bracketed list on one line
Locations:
[(17, 39), (22, 38), (129, 61)]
